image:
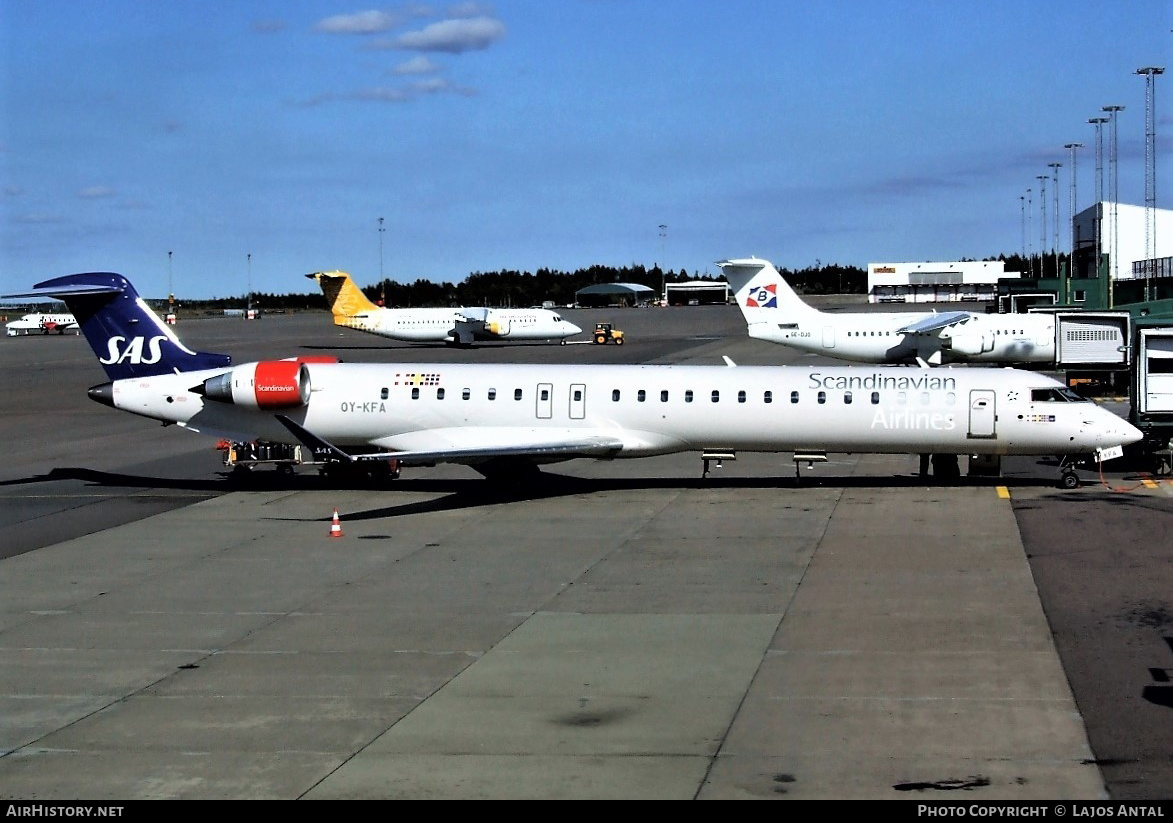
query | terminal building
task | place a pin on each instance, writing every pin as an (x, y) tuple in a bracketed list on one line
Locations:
[(936, 282), (1123, 256), (1120, 254)]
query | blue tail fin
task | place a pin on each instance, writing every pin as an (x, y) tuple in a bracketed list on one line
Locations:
[(129, 339)]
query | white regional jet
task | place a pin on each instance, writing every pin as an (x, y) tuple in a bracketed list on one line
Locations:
[(506, 419), (462, 327), (41, 323), (775, 313)]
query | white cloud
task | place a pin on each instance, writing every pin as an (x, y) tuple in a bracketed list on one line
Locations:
[(362, 22), (417, 65), (453, 36)]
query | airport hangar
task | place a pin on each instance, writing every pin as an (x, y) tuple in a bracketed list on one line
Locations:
[(614, 294)]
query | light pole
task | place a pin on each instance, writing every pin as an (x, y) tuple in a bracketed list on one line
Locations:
[(382, 280), (1030, 243), (1055, 194), (1113, 196), (1042, 178), (1098, 217), (663, 275), (1071, 147), (1022, 220), (1150, 172)]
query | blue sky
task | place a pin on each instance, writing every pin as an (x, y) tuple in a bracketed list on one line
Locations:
[(213, 146)]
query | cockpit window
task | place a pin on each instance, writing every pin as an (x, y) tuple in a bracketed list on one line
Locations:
[(1055, 395)]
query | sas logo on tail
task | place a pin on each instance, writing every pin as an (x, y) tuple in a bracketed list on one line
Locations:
[(132, 351), (763, 298)]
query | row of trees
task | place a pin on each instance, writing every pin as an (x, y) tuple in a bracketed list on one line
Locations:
[(514, 288)]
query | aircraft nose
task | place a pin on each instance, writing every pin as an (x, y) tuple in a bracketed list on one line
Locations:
[(103, 394), (573, 329), (1130, 433)]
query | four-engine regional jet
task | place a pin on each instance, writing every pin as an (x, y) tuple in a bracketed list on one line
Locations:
[(510, 418), (463, 326), (41, 323), (775, 313)]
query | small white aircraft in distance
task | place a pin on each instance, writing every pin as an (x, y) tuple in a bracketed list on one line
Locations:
[(774, 312), (507, 419), (461, 327), (42, 323)]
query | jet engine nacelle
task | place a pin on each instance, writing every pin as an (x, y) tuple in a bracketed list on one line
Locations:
[(970, 342), (269, 384), (495, 324)]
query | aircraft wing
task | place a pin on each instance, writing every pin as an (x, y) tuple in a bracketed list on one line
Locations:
[(937, 320), (580, 447)]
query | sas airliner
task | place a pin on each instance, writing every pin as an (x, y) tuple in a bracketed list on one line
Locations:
[(509, 418), (461, 327), (775, 313)]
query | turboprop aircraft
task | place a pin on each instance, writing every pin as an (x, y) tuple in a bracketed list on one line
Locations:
[(42, 323), (462, 327), (774, 312), (508, 419)]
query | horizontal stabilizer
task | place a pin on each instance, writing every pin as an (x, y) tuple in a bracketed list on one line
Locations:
[(67, 290)]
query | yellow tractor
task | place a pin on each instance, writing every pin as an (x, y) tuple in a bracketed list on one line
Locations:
[(604, 333)]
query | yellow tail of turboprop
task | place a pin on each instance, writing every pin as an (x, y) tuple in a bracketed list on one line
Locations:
[(345, 298)]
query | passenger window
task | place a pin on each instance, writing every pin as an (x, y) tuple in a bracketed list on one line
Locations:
[(875, 398), (545, 394), (615, 395), (822, 397), (492, 394), (794, 397), (741, 396), (768, 397), (847, 398), (383, 394), (664, 396), (517, 394), (415, 393), (688, 395), (924, 398), (439, 394), (466, 394), (716, 396), (577, 395), (641, 395)]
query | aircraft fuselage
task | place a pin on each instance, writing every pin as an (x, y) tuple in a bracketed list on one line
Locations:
[(876, 338), (647, 409)]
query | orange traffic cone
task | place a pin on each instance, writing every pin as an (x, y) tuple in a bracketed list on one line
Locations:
[(336, 526)]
